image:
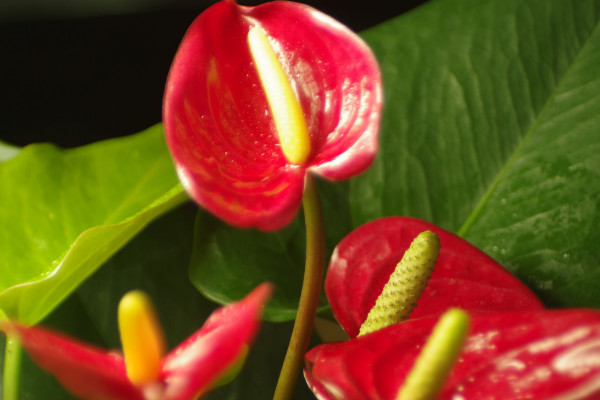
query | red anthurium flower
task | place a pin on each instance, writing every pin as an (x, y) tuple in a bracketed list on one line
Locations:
[(464, 276), (190, 370), (515, 348), (258, 96)]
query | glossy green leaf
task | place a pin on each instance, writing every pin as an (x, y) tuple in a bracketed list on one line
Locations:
[(7, 151), (65, 212), (492, 130), (228, 262)]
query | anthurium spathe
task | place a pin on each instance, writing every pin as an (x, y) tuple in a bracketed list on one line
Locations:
[(257, 97), (514, 349), (194, 367)]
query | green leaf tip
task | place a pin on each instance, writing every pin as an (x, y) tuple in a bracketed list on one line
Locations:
[(406, 284), (427, 376)]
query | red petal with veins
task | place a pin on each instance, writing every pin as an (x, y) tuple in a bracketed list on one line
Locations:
[(218, 123), (507, 355), (85, 371), (197, 363), (463, 277)]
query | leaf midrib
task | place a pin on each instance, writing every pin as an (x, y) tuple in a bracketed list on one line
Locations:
[(127, 200), (478, 209)]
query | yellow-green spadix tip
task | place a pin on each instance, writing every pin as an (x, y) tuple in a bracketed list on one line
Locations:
[(405, 285), (433, 365), (285, 107), (141, 337)]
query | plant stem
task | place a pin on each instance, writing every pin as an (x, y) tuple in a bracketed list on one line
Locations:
[(309, 297), (12, 368)]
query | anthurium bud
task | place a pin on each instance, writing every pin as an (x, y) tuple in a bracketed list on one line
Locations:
[(257, 97)]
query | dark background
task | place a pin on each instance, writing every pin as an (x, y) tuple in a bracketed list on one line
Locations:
[(73, 73)]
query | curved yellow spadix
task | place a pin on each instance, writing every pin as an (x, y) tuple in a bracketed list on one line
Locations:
[(141, 337), (285, 108), (405, 285)]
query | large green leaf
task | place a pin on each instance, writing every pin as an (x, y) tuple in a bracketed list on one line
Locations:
[(492, 130), (64, 212), (7, 151)]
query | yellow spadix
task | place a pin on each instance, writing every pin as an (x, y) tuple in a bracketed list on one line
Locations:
[(285, 107), (141, 337)]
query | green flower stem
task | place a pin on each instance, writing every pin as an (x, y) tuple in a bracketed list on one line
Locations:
[(12, 368), (426, 378), (311, 290)]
